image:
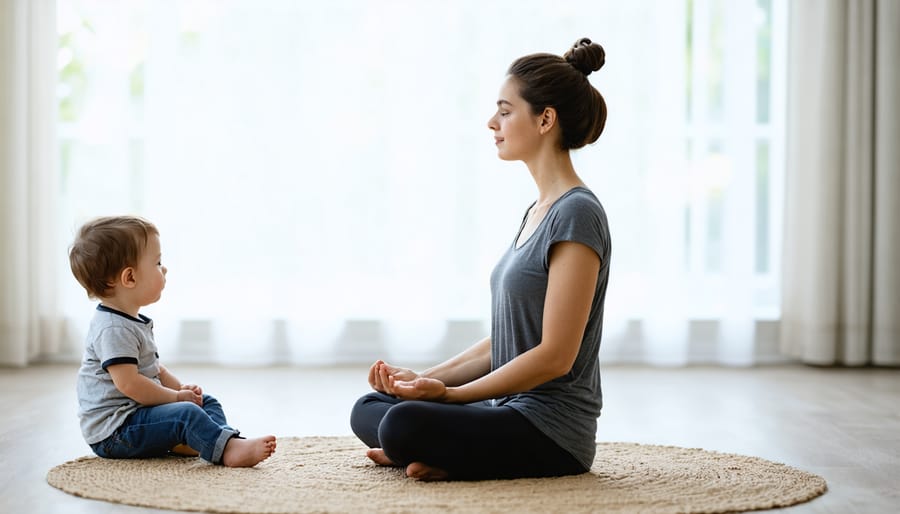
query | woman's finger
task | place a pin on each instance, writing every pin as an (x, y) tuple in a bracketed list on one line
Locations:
[(374, 378), (372, 375), (379, 378), (385, 380)]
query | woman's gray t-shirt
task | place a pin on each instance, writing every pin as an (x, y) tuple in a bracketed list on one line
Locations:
[(566, 408)]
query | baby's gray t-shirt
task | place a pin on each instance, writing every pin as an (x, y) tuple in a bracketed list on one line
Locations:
[(113, 338), (566, 408)]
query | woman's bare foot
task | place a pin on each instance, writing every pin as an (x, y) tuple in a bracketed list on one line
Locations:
[(184, 450), (245, 453), (378, 457), (425, 473)]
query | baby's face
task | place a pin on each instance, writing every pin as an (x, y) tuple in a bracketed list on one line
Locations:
[(150, 274)]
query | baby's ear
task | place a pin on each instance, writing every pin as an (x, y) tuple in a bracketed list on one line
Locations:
[(127, 278)]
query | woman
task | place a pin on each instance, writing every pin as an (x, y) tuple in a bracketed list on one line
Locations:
[(523, 402)]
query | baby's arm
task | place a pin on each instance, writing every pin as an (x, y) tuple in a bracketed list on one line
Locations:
[(171, 381), (168, 379), (147, 392)]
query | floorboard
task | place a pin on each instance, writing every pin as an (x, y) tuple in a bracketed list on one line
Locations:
[(843, 424)]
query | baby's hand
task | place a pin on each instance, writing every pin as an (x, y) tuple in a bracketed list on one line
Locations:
[(193, 387), (187, 395)]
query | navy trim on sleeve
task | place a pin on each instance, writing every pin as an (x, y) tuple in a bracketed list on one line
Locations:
[(118, 360)]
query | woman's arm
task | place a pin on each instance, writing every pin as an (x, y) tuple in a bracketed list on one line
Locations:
[(470, 364), (570, 292)]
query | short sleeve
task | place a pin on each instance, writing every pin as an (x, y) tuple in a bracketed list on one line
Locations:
[(579, 218), (117, 345)]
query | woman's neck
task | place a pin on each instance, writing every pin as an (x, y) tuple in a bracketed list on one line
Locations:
[(553, 174)]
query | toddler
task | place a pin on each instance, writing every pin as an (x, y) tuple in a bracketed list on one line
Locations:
[(130, 405)]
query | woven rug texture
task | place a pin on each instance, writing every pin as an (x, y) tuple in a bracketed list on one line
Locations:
[(332, 474)]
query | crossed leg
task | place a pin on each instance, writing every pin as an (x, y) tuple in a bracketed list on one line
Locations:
[(436, 441)]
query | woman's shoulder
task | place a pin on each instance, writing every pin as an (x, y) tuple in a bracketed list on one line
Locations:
[(579, 200), (580, 215)]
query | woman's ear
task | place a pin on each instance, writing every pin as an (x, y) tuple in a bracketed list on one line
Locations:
[(548, 120)]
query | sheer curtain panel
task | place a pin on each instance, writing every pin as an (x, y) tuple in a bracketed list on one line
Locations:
[(29, 312), (328, 191), (841, 284)]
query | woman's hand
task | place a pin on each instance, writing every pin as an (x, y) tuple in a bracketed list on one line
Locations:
[(381, 372), (430, 389), (404, 383)]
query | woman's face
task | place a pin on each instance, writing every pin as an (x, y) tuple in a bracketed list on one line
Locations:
[(516, 128)]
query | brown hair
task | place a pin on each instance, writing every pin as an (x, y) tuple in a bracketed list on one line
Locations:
[(104, 247), (547, 80)]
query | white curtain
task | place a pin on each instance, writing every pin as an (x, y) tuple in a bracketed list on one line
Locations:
[(29, 311), (841, 285), (327, 190)]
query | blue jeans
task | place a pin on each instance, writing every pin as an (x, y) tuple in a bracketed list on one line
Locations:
[(153, 431)]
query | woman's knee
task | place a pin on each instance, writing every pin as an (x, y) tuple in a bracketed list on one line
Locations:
[(358, 413), (366, 416), (403, 429)]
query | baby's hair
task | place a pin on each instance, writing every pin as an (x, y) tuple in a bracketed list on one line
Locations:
[(548, 80), (104, 247)]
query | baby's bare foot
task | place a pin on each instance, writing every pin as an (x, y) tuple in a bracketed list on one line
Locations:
[(425, 473), (245, 453), (378, 457)]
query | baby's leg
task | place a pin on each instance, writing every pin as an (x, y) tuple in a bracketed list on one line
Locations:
[(214, 409), (150, 432), (183, 426), (245, 453)]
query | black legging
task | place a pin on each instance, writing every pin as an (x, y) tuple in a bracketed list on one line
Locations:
[(469, 442)]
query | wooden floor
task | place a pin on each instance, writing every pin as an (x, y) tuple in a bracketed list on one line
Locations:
[(839, 423)]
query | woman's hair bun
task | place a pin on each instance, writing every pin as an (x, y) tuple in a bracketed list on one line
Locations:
[(586, 56)]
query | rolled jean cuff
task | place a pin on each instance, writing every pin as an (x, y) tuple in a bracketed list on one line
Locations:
[(219, 449)]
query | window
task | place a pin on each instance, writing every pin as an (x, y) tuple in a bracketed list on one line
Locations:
[(327, 189)]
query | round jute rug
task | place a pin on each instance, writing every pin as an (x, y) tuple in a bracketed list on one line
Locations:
[(332, 474)]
